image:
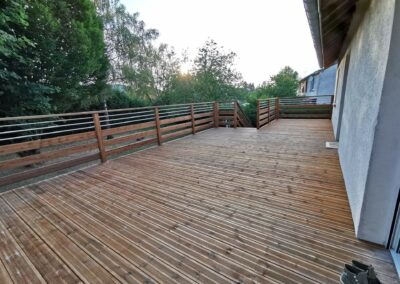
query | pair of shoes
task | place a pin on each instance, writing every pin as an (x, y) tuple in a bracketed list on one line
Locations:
[(358, 273)]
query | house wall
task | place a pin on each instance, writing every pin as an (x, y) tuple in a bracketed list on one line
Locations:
[(326, 83), (383, 182), (340, 73), (369, 52)]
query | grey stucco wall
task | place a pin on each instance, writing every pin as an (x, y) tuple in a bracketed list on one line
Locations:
[(369, 50), (383, 181), (338, 95)]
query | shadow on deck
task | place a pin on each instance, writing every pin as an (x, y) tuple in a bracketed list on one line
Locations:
[(225, 205)]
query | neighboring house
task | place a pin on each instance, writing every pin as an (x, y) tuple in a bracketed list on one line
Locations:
[(363, 37), (319, 83)]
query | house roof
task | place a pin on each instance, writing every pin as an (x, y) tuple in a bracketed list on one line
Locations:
[(330, 22), (312, 74)]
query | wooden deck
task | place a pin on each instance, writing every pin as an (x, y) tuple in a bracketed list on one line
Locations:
[(222, 206)]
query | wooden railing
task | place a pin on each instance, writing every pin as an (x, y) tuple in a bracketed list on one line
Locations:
[(293, 107), (267, 111), (306, 107), (232, 115), (31, 146)]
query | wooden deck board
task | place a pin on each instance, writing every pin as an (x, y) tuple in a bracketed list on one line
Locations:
[(222, 206)]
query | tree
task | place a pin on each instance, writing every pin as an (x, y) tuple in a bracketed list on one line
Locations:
[(19, 93), (216, 78), (62, 63), (181, 89), (283, 84)]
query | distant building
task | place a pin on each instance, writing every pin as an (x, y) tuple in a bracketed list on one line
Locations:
[(319, 83)]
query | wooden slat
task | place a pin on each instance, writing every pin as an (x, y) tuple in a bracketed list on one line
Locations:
[(321, 106), (204, 114), (133, 127), (226, 112), (175, 127), (4, 275), (41, 143), (130, 137), (203, 127), (13, 178), (17, 263), (84, 266), (305, 115), (177, 133), (48, 264), (205, 120), (46, 156), (131, 146), (175, 119), (310, 110)]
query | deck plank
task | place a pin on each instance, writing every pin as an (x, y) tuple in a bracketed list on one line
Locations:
[(221, 206), (46, 262)]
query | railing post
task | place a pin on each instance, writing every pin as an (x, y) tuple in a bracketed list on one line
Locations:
[(276, 108), (99, 136), (216, 115), (158, 126), (235, 110), (193, 122), (268, 110), (258, 114)]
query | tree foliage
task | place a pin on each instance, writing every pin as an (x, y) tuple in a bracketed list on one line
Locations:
[(216, 78), (71, 55), (283, 84), (60, 55), (145, 69)]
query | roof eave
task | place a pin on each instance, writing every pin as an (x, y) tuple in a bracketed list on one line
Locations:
[(312, 11)]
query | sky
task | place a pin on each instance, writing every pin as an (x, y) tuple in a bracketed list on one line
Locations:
[(266, 35)]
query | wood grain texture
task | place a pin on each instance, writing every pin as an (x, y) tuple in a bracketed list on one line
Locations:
[(223, 206)]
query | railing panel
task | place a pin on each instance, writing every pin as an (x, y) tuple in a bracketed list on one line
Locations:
[(31, 146), (293, 107)]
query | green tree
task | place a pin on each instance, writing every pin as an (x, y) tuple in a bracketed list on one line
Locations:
[(181, 89), (216, 78), (60, 61), (283, 84), (135, 62), (19, 92)]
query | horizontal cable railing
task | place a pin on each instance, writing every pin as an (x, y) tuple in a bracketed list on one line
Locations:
[(32, 146)]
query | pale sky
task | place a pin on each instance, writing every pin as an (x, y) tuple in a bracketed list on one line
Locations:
[(266, 35)]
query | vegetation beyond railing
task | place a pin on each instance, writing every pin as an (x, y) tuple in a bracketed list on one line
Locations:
[(293, 107), (32, 146)]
